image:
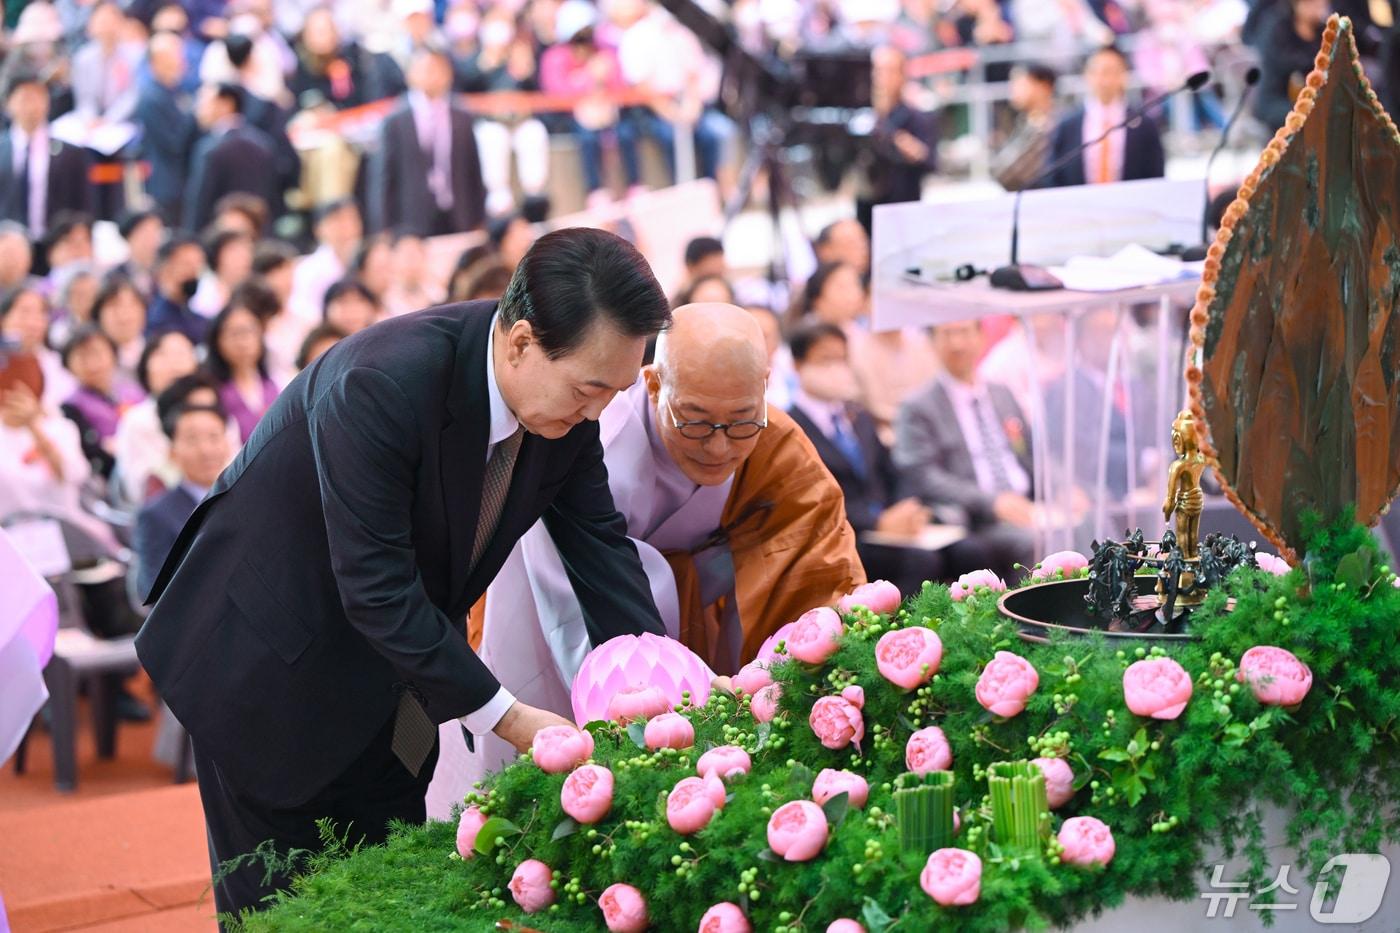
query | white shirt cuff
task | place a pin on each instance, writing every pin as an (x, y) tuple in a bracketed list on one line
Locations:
[(485, 717)]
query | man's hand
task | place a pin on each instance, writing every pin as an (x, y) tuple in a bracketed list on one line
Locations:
[(906, 517), (1014, 510), (910, 146), (520, 723)]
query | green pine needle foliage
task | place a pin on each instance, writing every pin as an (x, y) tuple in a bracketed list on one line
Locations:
[(1174, 793)]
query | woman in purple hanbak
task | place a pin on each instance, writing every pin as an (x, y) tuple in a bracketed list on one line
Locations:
[(237, 357), (102, 394)]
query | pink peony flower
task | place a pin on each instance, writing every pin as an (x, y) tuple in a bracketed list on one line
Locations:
[(1272, 563), (587, 794), (1086, 841), (837, 722), (908, 657), (724, 761), (1275, 676), (854, 695), (638, 702), (634, 661), (768, 651), (879, 597), (1067, 562), (844, 926), (764, 704), (1156, 687), (831, 782), (815, 635), (530, 885), (969, 583), (927, 750), (797, 831), (468, 825), (557, 749), (624, 909), (691, 804), (1006, 683), (669, 730), (1059, 780), (724, 918), (752, 677), (952, 877)]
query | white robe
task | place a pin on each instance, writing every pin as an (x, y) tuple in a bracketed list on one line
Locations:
[(534, 638)]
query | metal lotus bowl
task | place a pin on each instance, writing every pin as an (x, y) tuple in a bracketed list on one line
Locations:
[(1045, 608)]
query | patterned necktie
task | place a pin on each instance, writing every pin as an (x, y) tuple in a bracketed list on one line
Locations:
[(991, 450), (494, 486)]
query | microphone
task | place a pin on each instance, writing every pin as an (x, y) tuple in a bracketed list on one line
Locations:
[(1021, 278), (1251, 78)]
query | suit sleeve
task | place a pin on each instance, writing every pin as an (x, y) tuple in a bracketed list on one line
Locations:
[(364, 438), (600, 560), (917, 455)]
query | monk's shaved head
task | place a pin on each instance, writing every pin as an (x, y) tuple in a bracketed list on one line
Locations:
[(714, 349), (710, 368)]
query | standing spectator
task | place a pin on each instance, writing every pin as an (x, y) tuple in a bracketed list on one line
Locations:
[(140, 447), (119, 310), (1286, 52), (178, 267), (317, 342), (16, 255), (200, 450), (165, 113), (505, 61), (24, 319), (143, 232), (232, 156), (350, 306), (341, 75), (36, 47), (903, 145), (39, 176), (1127, 154), (1020, 161), (104, 69), (427, 176), (102, 394), (411, 287), (237, 359), (229, 258), (579, 65), (338, 234)]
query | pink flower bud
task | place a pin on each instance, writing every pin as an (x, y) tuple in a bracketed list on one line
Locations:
[(844, 926), (831, 782), (836, 722), (764, 704), (691, 804), (927, 750), (557, 749), (879, 597), (1272, 563), (1275, 676), (724, 761), (1156, 687), (752, 677), (724, 918), (587, 794), (968, 584), (1067, 562), (1006, 683), (952, 877), (530, 885), (637, 702), (815, 636), (1059, 780), (1086, 841), (908, 657), (854, 695), (468, 825), (624, 909), (669, 730), (797, 831)]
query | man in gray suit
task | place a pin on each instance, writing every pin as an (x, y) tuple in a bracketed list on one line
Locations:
[(962, 446)]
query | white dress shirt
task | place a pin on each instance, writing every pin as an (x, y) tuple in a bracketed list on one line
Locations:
[(503, 425), (825, 415), (36, 149), (1097, 118), (963, 395)]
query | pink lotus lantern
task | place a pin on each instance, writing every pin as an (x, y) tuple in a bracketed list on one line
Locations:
[(633, 662)]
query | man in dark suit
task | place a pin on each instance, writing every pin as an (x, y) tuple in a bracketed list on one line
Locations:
[(232, 156), (426, 177), (200, 449), (1127, 154), (964, 443), (308, 629), (39, 176), (165, 113), (903, 145), (845, 437)]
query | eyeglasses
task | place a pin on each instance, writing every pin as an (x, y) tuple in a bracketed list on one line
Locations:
[(700, 430)]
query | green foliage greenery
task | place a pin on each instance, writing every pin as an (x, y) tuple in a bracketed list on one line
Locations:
[(1173, 792)]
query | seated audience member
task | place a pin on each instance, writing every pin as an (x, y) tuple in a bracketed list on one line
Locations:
[(140, 445), (781, 379), (350, 306), (199, 449), (1127, 154), (74, 289), (143, 232), (236, 357), (228, 256), (964, 443), (178, 267), (510, 238), (102, 394), (120, 311), (704, 256), (483, 280), (317, 342), (24, 320), (274, 264), (845, 436), (338, 232), (373, 265), (242, 213), (705, 290), (844, 241), (67, 242), (412, 287), (16, 255)]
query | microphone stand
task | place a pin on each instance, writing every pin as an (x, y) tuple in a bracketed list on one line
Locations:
[(1197, 253), (1019, 277)]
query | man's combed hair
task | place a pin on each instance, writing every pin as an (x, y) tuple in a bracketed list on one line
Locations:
[(572, 278)]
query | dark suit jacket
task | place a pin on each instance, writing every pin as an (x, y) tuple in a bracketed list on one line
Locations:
[(1143, 156), (933, 458), (158, 524), (398, 195), (240, 160), (328, 569), (869, 492), (68, 188), (168, 134), (272, 119), (892, 176)]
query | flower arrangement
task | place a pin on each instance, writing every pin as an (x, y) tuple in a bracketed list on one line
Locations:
[(995, 784)]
